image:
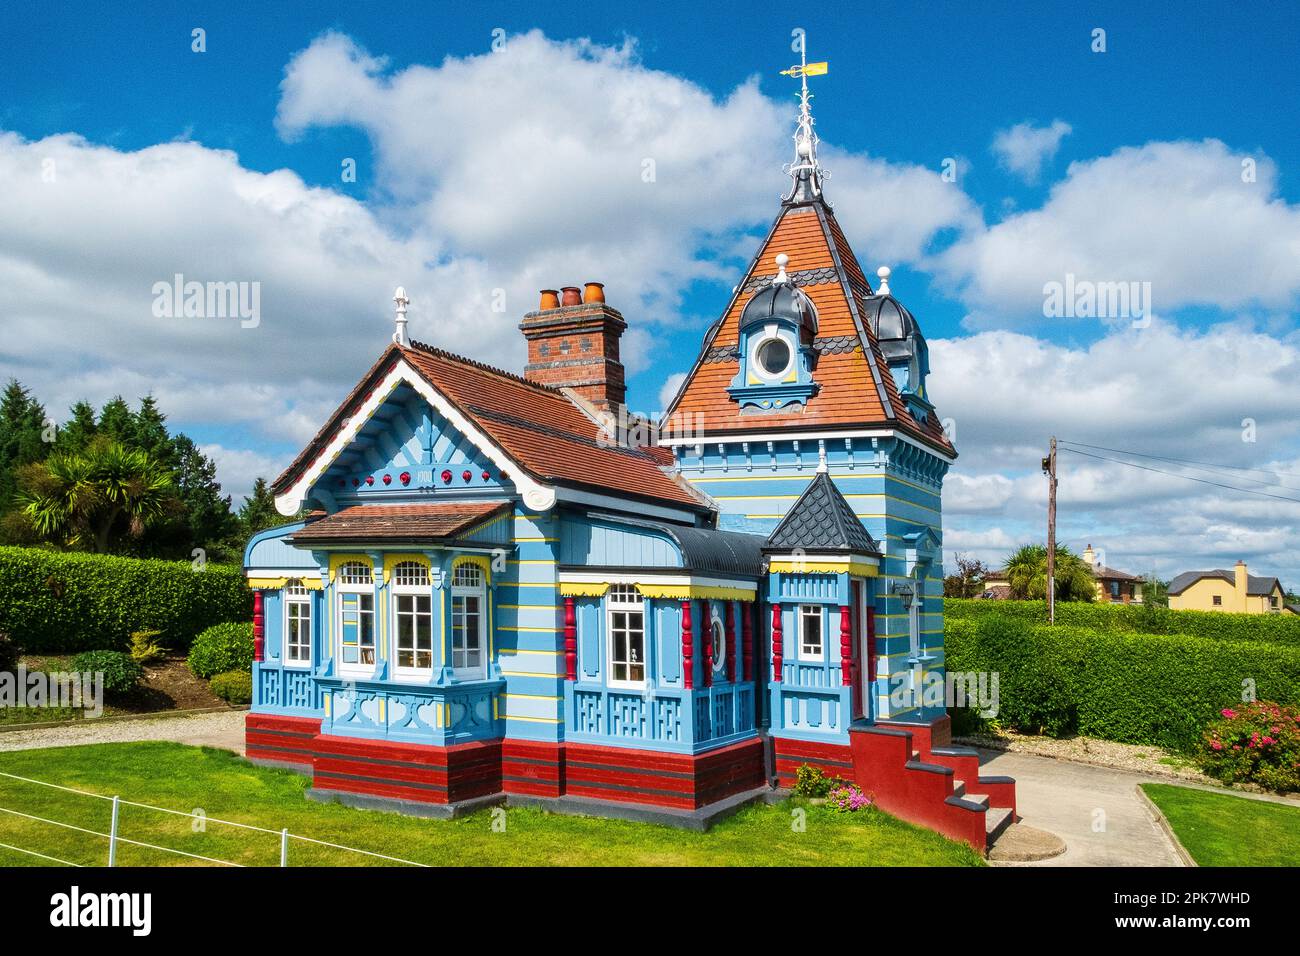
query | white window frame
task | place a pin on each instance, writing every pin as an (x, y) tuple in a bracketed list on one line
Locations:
[(413, 590), (718, 635), (808, 611), (769, 333), (343, 586), (463, 592), (619, 600), (296, 596)]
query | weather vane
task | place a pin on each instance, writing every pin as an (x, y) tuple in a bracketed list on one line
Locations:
[(805, 170)]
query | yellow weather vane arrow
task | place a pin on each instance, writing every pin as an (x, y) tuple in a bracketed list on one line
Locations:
[(808, 69)]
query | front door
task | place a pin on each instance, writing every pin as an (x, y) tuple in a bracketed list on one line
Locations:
[(856, 609)]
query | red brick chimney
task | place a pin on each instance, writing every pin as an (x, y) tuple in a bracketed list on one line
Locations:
[(573, 343)]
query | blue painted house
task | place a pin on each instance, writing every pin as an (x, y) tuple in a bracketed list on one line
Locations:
[(506, 587)]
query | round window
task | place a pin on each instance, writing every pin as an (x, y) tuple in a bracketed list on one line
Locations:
[(773, 357)]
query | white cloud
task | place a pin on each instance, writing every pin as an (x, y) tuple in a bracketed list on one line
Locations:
[(239, 468), (668, 391), (1160, 391), (1175, 214), (1024, 148)]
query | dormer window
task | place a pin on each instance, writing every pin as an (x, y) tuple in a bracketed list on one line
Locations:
[(777, 329), (772, 356)]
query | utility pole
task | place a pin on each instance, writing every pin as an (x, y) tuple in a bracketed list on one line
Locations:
[(1049, 468)]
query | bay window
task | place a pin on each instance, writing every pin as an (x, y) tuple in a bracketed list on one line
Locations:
[(468, 621), (413, 617), (356, 615)]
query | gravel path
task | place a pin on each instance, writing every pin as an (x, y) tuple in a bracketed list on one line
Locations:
[(224, 730), (1135, 758)]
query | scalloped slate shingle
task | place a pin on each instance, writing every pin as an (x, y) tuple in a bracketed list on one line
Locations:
[(822, 520)]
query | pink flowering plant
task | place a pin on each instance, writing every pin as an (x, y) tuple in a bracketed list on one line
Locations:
[(1255, 743), (847, 798)]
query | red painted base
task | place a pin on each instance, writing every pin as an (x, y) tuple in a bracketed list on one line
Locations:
[(465, 771)]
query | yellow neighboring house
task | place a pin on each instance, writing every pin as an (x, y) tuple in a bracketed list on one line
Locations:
[(1234, 590)]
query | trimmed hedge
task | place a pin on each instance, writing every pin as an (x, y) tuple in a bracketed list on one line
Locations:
[(1135, 618), (1133, 688), (222, 648), (55, 602)]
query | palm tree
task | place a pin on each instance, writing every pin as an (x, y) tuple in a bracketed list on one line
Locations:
[(76, 500), (1026, 571)]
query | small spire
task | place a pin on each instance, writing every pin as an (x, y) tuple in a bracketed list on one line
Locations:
[(782, 260), (806, 171), (883, 274), (402, 302)]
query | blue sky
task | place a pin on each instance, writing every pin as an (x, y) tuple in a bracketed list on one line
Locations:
[(157, 147)]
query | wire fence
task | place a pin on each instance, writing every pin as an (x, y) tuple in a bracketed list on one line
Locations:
[(115, 838)]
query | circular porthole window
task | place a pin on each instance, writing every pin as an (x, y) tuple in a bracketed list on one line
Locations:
[(772, 357), (719, 646)]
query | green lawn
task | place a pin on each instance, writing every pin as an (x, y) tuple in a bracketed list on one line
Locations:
[(223, 785), (1220, 829)]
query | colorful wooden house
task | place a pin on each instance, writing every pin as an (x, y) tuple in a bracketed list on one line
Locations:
[(509, 588)]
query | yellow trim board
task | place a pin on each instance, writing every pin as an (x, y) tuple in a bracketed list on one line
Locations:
[(261, 584), (826, 566)]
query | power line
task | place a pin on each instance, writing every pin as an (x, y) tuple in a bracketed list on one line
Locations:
[(1174, 474), (1190, 461)]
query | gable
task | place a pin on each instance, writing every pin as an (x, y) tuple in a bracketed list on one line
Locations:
[(408, 445), (855, 387), (506, 432)]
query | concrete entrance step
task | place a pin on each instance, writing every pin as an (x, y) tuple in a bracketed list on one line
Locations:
[(996, 821)]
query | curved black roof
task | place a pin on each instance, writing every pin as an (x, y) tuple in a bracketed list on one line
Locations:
[(704, 550), (890, 320), (781, 300)]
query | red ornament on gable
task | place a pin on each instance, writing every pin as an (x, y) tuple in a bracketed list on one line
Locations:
[(467, 474), (388, 479), (370, 479), (446, 476), (404, 477)]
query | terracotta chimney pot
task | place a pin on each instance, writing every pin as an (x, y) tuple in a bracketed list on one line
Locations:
[(594, 292), (572, 295), (550, 300)]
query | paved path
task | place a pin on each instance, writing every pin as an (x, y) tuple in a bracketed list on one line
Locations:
[(1095, 810), (225, 730)]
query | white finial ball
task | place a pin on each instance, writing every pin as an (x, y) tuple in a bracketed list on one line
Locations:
[(883, 273), (400, 295), (782, 260), (803, 147)]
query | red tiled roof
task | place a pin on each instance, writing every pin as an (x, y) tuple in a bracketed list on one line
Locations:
[(445, 519), (857, 388), (539, 427)]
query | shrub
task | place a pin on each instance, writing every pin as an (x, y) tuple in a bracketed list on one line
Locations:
[(53, 602), (121, 673), (1129, 687), (145, 648), (846, 798), (234, 687), (1256, 743), (1135, 618), (809, 781), (221, 648)]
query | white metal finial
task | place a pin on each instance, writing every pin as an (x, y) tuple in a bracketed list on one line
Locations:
[(883, 273), (782, 260), (821, 458), (402, 301), (806, 172)]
